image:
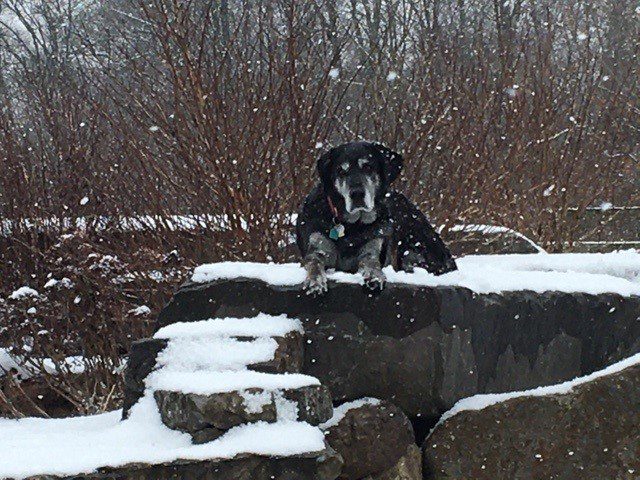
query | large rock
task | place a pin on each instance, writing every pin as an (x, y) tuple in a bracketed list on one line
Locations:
[(206, 417), (591, 432), (408, 467), (314, 466), (424, 348), (373, 439)]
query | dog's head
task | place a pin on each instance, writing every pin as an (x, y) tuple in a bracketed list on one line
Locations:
[(356, 176)]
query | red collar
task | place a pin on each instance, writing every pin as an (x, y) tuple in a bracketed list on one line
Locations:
[(332, 207)]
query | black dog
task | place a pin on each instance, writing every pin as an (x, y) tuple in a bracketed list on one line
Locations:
[(352, 222)]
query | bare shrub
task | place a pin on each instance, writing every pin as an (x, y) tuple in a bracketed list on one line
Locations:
[(144, 127)]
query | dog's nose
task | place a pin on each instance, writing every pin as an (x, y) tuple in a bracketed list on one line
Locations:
[(357, 195)]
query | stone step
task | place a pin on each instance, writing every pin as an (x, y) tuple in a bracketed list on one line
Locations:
[(264, 343), (206, 416)]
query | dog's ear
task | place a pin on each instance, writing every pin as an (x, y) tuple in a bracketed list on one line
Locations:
[(391, 162), (324, 167)]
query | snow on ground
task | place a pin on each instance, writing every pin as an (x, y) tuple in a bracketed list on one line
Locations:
[(478, 402), (199, 360), (33, 446), (594, 273)]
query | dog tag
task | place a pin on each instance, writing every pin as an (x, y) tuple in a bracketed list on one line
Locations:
[(336, 232)]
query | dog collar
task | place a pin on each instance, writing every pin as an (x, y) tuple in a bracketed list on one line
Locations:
[(332, 207), (337, 231)]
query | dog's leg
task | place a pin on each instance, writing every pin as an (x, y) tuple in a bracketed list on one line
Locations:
[(369, 264), (322, 253)]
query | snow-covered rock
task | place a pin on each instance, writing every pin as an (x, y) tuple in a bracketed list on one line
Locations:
[(586, 428), (247, 425), (591, 273), (501, 323)]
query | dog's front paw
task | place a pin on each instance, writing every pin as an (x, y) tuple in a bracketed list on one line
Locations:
[(374, 278), (315, 283)]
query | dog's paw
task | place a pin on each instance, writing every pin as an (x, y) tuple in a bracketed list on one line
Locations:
[(374, 278), (315, 284), (449, 265)]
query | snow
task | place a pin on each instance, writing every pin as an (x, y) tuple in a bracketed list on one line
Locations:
[(70, 446), (341, 411), (204, 353), (478, 402), (31, 367), (141, 310), (592, 273), (23, 292), (207, 382), (261, 325)]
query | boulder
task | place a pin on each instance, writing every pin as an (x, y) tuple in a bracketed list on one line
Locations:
[(314, 466), (409, 467), (206, 417), (589, 431), (424, 348), (374, 439)]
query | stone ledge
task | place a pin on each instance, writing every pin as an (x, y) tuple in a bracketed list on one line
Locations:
[(207, 417), (424, 348)]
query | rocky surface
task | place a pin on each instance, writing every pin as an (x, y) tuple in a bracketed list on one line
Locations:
[(375, 441), (206, 417), (323, 466), (424, 348), (591, 432), (408, 467)]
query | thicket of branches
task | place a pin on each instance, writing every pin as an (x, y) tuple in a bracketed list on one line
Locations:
[(507, 112), (119, 113)]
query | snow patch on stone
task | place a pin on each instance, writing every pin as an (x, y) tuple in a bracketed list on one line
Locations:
[(478, 402), (207, 383), (255, 402), (183, 354), (592, 273), (70, 446), (262, 325), (340, 412)]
